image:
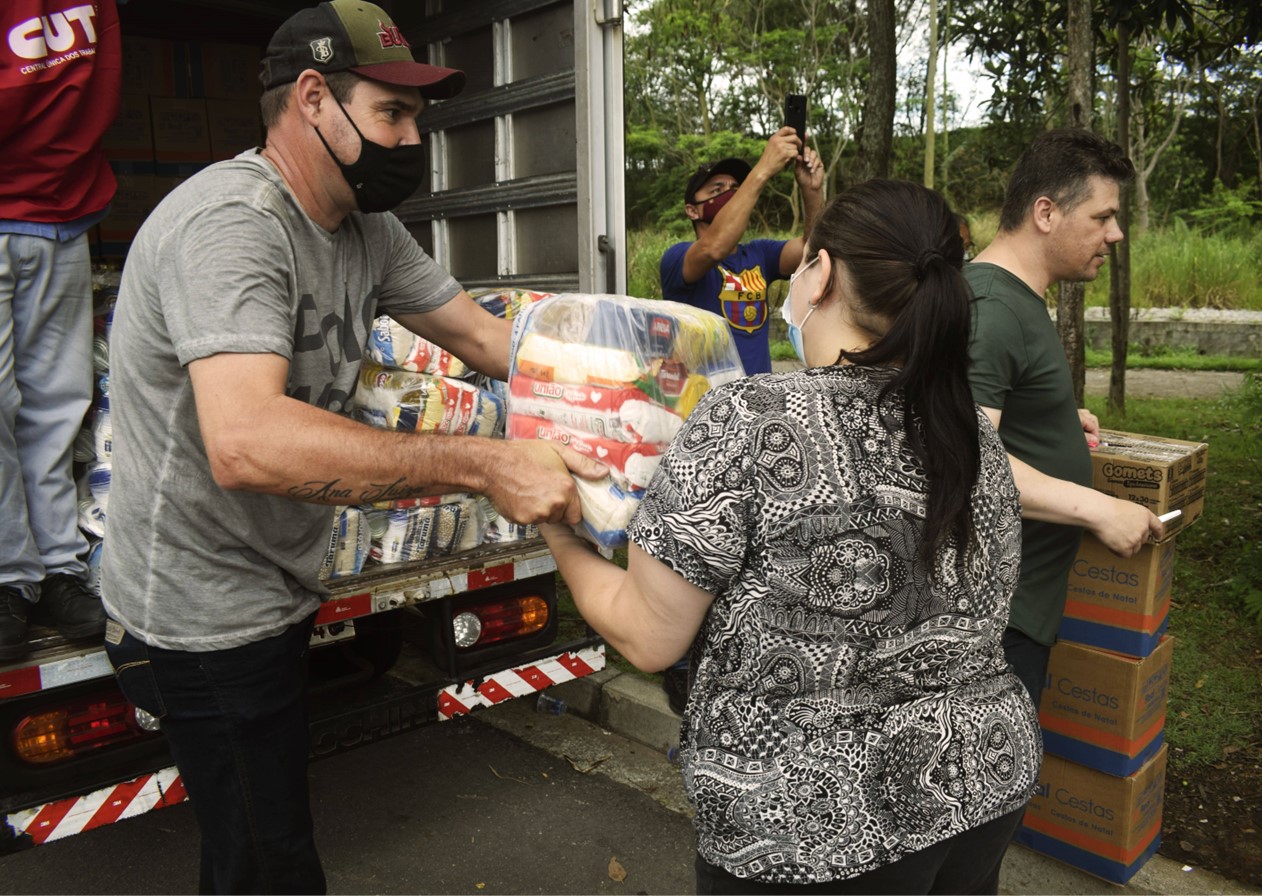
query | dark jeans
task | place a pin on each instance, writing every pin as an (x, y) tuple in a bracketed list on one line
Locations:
[(1028, 659), (966, 863), (236, 722)]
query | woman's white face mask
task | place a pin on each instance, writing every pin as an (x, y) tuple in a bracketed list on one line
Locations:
[(786, 311)]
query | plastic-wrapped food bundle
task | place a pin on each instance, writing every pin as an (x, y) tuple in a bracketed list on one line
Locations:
[(92, 517), (348, 546), (418, 402), (391, 344), (426, 529), (614, 378), (507, 303)]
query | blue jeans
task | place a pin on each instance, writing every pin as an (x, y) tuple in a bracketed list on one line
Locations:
[(236, 722), (45, 390)]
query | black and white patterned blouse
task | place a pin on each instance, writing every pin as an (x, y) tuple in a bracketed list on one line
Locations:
[(847, 709)]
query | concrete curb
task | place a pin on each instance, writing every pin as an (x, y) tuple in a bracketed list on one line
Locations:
[(635, 707)]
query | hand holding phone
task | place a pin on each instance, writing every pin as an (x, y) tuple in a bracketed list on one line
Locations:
[(795, 115)]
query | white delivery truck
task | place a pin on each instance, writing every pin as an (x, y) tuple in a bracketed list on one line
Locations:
[(525, 191)]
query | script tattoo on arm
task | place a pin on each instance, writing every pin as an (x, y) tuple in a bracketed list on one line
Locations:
[(330, 493)]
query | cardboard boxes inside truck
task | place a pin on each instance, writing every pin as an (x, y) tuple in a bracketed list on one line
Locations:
[(185, 104)]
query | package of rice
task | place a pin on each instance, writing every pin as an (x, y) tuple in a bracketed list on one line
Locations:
[(614, 378)]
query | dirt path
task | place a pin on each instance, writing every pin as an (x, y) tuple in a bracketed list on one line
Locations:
[(1142, 383), (1167, 383)]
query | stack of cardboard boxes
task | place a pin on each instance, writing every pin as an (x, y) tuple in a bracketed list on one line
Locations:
[(184, 105), (1103, 709)]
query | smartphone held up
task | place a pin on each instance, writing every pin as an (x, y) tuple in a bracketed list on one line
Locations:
[(795, 115)]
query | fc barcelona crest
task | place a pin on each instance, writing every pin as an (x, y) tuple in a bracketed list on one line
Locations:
[(322, 49)]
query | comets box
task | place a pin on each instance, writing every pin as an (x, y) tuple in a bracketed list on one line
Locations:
[(1119, 604), (1162, 474), (1106, 826), (1105, 710)]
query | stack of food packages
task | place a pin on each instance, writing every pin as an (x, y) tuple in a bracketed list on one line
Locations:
[(409, 384), (613, 378), (94, 444)]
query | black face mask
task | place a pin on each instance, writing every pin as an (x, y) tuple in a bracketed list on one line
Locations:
[(381, 178)]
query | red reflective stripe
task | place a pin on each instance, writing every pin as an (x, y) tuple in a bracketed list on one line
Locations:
[(45, 823), (449, 706), (173, 794), (491, 575), (575, 664), (19, 681), (494, 691), (533, 676), (344, 608), (117, 802)]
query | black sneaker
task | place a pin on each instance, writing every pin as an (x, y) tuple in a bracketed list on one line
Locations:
[(66, 603), (675, 684), (14, 609)]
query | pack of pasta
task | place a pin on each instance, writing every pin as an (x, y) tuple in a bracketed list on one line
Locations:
[(393, 398), (614, 378)]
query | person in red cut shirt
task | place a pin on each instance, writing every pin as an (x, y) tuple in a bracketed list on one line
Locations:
[(60, 76)]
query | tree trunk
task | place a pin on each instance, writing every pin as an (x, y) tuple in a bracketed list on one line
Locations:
[(946, 124), (930, 77), (1070, 318), (1120, 269), (876, 139)]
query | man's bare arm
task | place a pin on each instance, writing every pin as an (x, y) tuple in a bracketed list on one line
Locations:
[(258, 439), (1122, 526)]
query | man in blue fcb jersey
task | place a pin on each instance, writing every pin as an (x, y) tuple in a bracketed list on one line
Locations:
[(717, 272)]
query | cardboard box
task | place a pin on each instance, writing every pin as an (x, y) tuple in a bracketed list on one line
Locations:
[(1119, 604), (1104, 710), (181, 135), (1162, 474), (228, 71), (235, 126), (128, 143), (134, 199), (149, 66), (1106, 826)]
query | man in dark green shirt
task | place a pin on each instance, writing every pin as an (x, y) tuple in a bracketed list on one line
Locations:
[(1058, 221)]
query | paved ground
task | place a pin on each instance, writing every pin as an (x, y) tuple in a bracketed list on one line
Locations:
[(629, 709)]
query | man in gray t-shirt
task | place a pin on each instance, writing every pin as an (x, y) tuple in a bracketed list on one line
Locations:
[(244, 307)]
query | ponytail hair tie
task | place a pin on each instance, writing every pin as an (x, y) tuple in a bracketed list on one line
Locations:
[(926, 258)]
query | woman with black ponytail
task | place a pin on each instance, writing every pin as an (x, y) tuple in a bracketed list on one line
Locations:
[(839, 546)]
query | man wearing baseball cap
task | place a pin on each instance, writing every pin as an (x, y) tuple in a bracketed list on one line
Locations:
[(244, 307), (719, 273)]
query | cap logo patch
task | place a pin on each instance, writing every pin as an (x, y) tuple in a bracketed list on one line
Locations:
[(322, 49), (390, 36)]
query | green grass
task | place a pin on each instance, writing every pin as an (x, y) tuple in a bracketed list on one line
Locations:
[(1216, 602), (1166, 358)]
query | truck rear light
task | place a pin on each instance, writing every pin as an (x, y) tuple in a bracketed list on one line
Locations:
[(75, 729), (490, 623)]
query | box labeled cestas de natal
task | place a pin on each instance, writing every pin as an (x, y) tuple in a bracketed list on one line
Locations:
[(1105, 710), (1117, 603), (1162, 474), (1105, 825)]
